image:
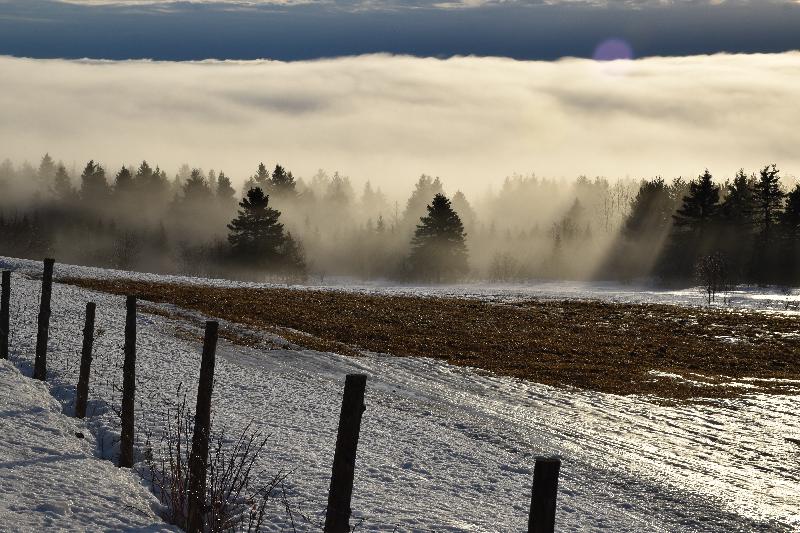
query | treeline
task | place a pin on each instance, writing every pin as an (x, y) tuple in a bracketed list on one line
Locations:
[(279, 226), (746, 229)]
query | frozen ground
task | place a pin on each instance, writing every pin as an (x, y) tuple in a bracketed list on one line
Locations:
[(774, 299), (445, 448)]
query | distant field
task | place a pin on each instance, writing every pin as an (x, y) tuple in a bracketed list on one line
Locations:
[(668, 351)]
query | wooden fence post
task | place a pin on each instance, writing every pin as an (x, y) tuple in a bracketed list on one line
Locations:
[(5, 314), (337, 519), (40, 364), (82, 395), (542, 517), (198, 460), (128, 385)]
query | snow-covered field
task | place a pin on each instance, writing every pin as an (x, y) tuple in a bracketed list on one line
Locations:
[(442, 448), (50, 479)]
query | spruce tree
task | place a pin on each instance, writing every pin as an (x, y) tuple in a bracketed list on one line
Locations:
[(62, 185), (692, 236), (255, 235), (790, 228), (282, 184), (769, 198), (123, 181), (738, 209), (438, 248), (224, 190), (700, 206), (196, 189), (94, 187)]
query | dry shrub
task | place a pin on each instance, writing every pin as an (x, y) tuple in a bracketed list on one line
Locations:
[(238, 492)]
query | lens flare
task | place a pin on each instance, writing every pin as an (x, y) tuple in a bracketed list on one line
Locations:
[(612, 49)]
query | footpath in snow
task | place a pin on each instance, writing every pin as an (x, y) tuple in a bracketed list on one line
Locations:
[(50, 479), (442, 448)]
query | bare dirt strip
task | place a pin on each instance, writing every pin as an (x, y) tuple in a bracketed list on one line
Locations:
[(609, 347)]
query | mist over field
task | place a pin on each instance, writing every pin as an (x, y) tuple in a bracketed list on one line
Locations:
[(542, 161)]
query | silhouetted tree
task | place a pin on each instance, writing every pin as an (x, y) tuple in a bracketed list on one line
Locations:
[(438, 248), (123, 181), (426, 187), (700, 206), (196, 189), (282, 184), (46, 173), (255, 235), (224, 190), (94, 187), (62, 185), (768, 198)]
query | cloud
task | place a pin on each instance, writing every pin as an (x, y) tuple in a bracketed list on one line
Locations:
[(470, 120)]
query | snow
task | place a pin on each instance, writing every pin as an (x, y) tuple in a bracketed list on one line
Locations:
[(442, 448), (769, 299), (50, 478)]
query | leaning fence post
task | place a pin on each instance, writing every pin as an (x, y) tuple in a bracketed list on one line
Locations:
[(82, 396), (128, 385), (5, 314), (337, 519), (542, 517), (40, 364), (198, 460)]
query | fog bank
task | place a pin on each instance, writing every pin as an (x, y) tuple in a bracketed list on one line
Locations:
[(387, 119)]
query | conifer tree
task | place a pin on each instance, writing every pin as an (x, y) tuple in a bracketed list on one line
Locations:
[(282, 184), (46, 173), (196, 189), (94, 187), (438, 248), (769, 198), (224, 190), (739, 205), (255, 235), (62, 185), (700, 206), (123, 181), (426, 187)]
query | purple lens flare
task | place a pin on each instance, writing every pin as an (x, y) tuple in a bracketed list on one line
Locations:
[(613, 49)]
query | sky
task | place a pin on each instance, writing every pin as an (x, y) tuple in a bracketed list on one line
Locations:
[(308, 29), (384, 90)]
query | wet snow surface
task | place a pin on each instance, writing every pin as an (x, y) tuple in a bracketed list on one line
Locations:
[(442, 448)]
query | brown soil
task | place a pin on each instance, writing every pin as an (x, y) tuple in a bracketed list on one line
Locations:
[(601, 346)]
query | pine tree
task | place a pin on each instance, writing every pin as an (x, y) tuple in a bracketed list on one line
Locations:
[(62, 185), (255, 235), (739, 206), (196, 189), (790, 228), (438, 248), (651, 211), (123, 181), (769, 198), (700, 206), (426, 187), (282, 184), (790, 218), (261, 177), (94, 187), (46, 173), (224, 190)]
